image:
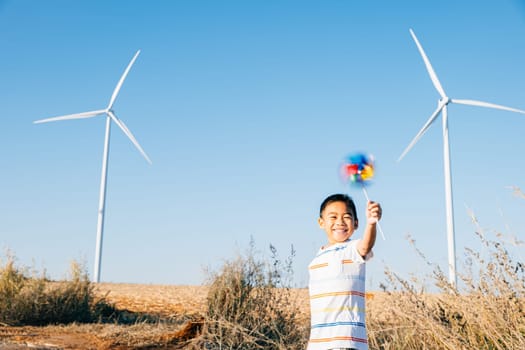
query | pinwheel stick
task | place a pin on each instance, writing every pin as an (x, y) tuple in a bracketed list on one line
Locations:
[(368, 200)]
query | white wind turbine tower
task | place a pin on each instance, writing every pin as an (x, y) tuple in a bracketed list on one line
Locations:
[(110, 115), (442, 108)]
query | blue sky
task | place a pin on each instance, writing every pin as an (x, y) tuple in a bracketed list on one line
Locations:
[(246, 109)]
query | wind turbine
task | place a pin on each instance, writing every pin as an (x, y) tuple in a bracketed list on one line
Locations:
[(110, 116), (442, 109)]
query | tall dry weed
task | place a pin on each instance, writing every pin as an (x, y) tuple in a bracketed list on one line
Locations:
[(250, 305), (486, 311)]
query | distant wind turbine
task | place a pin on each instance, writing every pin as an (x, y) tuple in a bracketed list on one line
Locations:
[(110, 115), (442, 108)]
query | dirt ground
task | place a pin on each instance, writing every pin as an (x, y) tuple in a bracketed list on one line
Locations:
[(183, 304)]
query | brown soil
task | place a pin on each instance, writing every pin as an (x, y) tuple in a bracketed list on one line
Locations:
[(182, 305)]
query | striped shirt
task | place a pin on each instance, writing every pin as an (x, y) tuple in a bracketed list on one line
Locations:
[(337, 298)]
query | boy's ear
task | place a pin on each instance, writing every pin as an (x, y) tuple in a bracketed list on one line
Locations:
[(356, 224), (320, 221)]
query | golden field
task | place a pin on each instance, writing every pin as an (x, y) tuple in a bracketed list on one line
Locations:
[(405, 317), (182, 305)]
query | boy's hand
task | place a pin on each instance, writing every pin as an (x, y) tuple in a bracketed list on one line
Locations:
[(373, 212)]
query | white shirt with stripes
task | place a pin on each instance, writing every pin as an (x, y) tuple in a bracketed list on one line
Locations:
[(337, 298)]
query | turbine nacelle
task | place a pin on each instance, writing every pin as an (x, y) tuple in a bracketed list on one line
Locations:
[(445, 100)]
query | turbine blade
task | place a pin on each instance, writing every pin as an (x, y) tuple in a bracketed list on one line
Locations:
[(129, 134), (487, 105), (430, 70), (422, 131), (72, 116), (121, 81)]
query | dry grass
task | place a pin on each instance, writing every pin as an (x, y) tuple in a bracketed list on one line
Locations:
[(246, 305), (183, 306), (487, 311), (250, 305), (396, 320)]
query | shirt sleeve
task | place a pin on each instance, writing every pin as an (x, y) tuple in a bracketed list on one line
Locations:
[(355, 253)]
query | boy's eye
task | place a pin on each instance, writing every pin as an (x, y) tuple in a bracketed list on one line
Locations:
[(347, 217)]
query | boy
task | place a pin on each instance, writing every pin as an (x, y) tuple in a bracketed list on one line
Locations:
[(337, 276)]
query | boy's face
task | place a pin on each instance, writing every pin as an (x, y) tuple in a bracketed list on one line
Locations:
[(338, 223)]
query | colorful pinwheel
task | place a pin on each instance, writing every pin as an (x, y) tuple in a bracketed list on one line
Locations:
[(358, 169)]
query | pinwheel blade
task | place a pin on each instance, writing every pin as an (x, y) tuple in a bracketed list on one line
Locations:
[(487, 105), (72, 116), (121, 81), (129, 134), (430, 70), (422, 131)]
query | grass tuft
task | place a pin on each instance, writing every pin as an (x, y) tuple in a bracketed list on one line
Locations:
[(250, 305), (29, 299)]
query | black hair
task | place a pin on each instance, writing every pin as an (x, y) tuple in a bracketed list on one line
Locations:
[(339, 197)]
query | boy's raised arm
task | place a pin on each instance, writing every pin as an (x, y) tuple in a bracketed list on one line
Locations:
[(373, 215)]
